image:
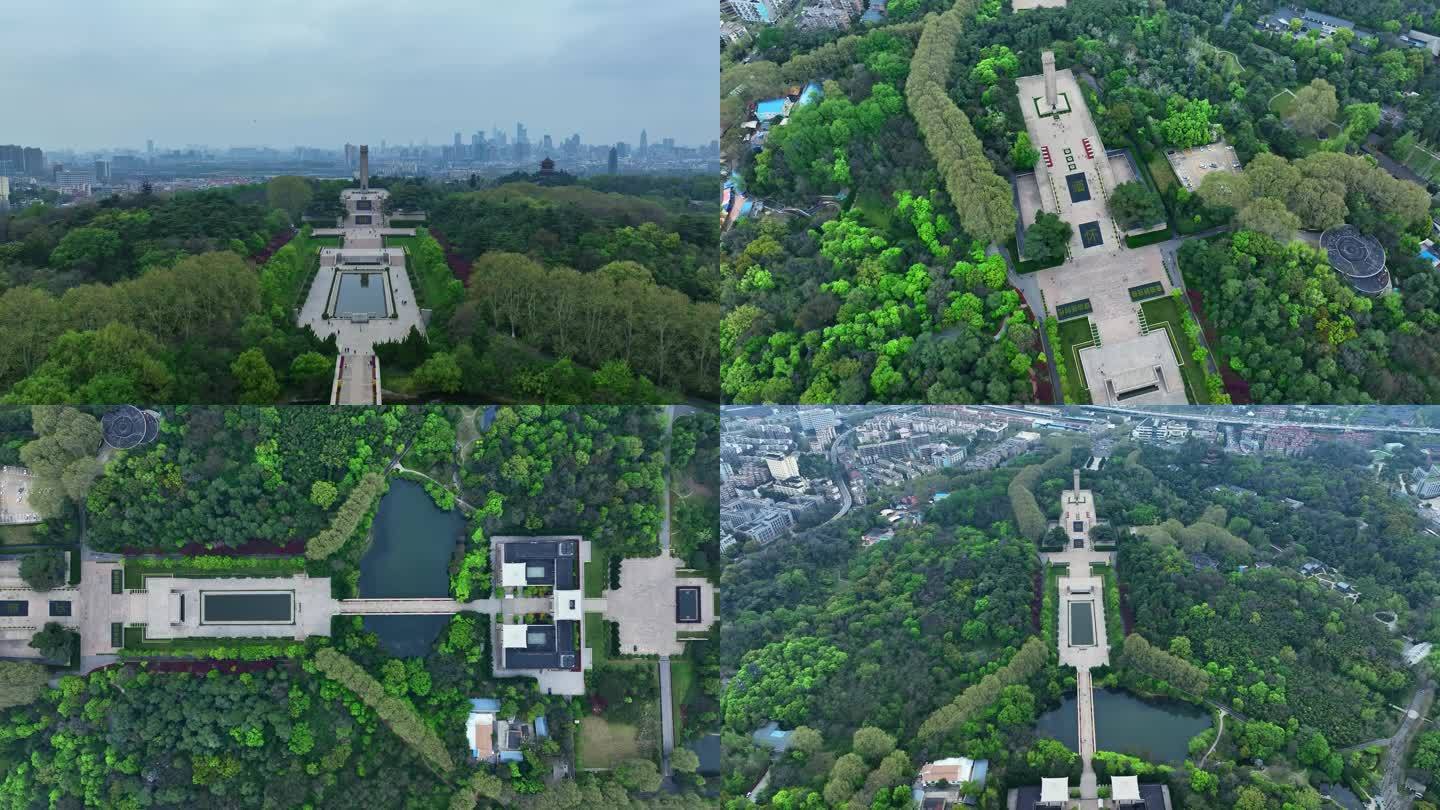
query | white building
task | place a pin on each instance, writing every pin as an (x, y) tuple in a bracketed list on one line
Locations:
[(816, 418), (782, 466)]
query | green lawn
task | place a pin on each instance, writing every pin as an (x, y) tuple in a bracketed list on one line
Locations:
[(1074, 335), (596, 574), (1282, 103), (318, 242), (1160, 170), (874, 209), (603, 744), (17, 535), (400, 241), (1165, 311), (682, 678), (1417, 156), (595, 636)]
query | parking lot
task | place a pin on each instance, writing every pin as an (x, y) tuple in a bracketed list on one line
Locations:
[(1191, 165), (15, 486)]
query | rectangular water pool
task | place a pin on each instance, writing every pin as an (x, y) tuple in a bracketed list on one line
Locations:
[(1082, 624), (361, 294), (247, 607), (687, 604)]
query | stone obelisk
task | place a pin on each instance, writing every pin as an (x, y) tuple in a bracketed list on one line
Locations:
[(1047, 62)]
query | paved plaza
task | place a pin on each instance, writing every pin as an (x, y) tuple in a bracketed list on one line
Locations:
[(27, 611), (1025, 5), (1073, 179), (338, 303), (644, 605), (1082, 596), (1073, 174)]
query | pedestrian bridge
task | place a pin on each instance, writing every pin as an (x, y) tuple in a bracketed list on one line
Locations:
[(419, 606)]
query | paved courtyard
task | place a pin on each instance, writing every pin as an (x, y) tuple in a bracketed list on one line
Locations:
[(644, 606), (1073, 174), (360, 337), (16, 630), (1073, 179)]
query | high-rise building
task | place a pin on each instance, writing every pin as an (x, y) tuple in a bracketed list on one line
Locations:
[(547, 144), (644, 145), (12, 159), (34, 161), (816, 418), (4, 192), (613, 164), (149, 147), (782, 466), (522, 135), (102, 171), (350, 154)]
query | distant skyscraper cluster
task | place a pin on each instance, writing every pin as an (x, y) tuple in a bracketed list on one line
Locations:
[(26, 161)]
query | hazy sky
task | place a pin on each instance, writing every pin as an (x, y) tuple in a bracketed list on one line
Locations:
[(100, 73)]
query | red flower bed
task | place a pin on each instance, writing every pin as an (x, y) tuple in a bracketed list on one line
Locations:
[(1235, 386), (457, 263), (281, 240)]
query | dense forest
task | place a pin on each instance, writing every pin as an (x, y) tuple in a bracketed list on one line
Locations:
[(816, 628), (595, 470), (222, 477), (894, 299), (191, 297), (342, 721)]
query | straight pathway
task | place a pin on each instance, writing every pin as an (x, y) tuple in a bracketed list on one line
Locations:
[(667, 715), (1085, 714), (412, 607)]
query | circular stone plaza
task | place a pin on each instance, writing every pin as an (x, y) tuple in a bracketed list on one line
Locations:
[(1357, 257)]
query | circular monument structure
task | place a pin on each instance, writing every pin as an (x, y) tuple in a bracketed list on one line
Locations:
[(1357, 257), (127, 426)]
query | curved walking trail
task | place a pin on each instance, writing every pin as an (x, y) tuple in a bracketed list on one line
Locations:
[(1219, 730)]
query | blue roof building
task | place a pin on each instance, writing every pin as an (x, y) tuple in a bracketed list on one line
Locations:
[(811, 93), (772, 736), (770, 108)]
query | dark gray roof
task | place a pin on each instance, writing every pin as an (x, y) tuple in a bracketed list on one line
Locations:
[(556, 561), (548, 647)]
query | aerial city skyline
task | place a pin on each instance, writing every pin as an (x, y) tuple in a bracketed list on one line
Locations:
[(488, 152)]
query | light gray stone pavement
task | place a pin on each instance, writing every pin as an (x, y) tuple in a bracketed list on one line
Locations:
[(313, 607), (357, 380), (409, 607), (667, 716), (361, 337), (1083, 659), (644, 605)]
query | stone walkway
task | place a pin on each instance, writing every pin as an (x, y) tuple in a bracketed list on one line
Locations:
[(411, 607), (1083, 658)]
